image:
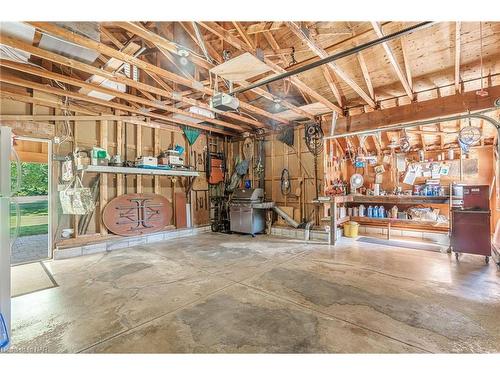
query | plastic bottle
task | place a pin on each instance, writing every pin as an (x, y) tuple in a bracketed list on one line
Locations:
[(370, 211), (362, 210), (375, 211), (381, 211), (394, 212)]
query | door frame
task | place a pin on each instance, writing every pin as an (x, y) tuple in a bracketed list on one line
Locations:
[(50, 250)]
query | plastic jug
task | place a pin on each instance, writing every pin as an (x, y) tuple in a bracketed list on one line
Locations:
[(362, 210), (370, 211), (381, 211), (394, 212)]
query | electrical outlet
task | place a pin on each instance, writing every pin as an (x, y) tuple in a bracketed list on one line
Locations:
[(57, 140)]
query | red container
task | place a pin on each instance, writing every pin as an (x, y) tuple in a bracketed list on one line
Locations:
[(476, 197)]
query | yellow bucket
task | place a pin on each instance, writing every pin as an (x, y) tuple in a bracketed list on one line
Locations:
[(351, 229)]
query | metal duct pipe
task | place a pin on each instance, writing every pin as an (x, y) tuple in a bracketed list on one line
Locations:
[(334, 57)]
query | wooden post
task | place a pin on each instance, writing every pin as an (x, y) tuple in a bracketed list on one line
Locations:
[(119, 150), (138, 180), (156, 151), (103, 186), (273, 198)]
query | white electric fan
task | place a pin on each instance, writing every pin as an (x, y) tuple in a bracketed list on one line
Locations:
[(356, 182)]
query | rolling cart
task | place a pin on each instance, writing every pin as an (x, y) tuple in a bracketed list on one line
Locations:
[(470, 232)]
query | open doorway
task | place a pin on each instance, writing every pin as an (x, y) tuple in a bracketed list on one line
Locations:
[(30, 220)]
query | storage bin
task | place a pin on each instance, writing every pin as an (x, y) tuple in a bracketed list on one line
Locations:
[(351, 229)]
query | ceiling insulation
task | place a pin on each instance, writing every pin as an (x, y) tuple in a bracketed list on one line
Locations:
[(20, 31), (112, 65), (65, 48), (195, 110)]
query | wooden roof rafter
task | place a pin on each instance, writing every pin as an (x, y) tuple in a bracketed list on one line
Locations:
[(458, 26), (161, 41), (64, 61), (145, 103), (235, 42), (275, 47), (91, 44), (318, 50), (393, 61), (56, 91)]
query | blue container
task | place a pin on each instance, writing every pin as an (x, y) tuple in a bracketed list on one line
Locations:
[(381, 211), (179, 149), (4, 334), (370, 211), (248, 184)]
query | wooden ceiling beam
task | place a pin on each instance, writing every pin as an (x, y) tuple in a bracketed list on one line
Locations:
[(128, 97), (422, 137), (45, 102), (458, 26), (275, 47), (406, 62), (241, 30), (318, 50), (366, 75), (417, 111), (333, 87), (235, 42), (119, 78), (64, 93), (54, 30), (392, 59), (154, 38), (111, 37)]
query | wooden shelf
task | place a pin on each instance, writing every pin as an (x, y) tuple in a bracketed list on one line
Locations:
[(336, 199), (405, 223), (400, 199), (141, 171), (339, 221)]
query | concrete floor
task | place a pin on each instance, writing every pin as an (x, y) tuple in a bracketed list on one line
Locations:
[(30, 249), (231, 293)]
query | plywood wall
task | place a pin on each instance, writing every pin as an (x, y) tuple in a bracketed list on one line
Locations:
[(300, 164), (130, 141)]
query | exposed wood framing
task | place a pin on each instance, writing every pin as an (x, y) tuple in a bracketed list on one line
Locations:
[(333, 86), (226, 36), (243, 34), (406, 61), (318, 50), (149, 36), (439, 107), (119, 151), (393, 61), (366, 75), (166, 92), (108, 51), (103, 186), (29, 84), (129, 97), (458, 26)]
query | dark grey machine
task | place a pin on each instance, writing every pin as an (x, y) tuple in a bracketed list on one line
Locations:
[(247, 211)]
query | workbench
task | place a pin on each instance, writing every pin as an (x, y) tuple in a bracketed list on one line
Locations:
[(334, 221)]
